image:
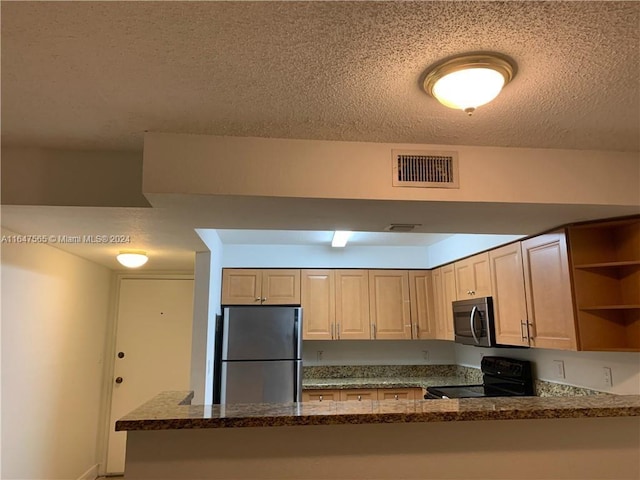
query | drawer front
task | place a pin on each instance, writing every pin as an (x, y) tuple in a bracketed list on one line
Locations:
[(320, 396)]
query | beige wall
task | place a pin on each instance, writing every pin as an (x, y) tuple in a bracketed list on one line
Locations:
[(54, 320), (587, 448), (199, 164), (38, 176)]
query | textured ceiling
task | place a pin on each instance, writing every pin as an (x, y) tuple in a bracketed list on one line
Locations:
[(98, 74)]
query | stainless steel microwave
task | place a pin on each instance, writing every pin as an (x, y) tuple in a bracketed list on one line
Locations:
[(473, 322)]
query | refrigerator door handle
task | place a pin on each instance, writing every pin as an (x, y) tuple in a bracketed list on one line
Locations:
[(297, 332), (297, 370)]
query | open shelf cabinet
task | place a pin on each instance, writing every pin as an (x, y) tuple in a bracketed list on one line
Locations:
[(605, 259)]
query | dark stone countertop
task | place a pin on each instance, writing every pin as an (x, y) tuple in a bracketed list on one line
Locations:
[(172, 410)]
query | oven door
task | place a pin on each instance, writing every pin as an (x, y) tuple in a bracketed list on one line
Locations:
[(473, 322)]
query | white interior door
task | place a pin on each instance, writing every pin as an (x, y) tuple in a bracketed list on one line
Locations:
[(153, 349)]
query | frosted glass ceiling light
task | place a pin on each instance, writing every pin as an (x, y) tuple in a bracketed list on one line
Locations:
[(340, 238), (469, 81), (132, 258)]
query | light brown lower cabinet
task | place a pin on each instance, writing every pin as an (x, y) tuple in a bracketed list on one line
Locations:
[(360, 394), (320, 395)]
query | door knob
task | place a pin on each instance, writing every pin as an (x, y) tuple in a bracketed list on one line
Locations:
[(119, 379), (120, 354)]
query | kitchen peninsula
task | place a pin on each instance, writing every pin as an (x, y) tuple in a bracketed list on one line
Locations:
[(526, 437)]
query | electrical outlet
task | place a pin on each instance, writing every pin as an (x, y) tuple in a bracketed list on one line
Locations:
[(425, 355), (319, 355), (606, 377), (559, 368)]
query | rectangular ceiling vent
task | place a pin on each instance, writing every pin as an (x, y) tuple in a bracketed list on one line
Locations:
[(425, 169), (402, 227)]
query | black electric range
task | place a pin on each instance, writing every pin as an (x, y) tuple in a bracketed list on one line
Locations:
[(501, 377)]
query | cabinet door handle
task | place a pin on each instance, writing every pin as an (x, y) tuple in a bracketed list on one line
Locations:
[(396, 396), (332, 331), (320, 397), (264, 299), (373, 330), (524, 330), (417, 330), (359, 398), (338, 331), (529, 330), (258, 299)]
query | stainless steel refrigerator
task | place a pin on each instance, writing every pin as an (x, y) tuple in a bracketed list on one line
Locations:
[(258, 355)]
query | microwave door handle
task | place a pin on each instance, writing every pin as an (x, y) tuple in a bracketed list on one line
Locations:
[(471, 324)]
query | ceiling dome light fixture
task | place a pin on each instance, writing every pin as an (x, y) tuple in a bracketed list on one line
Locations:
[(469, 81), (132, 258)]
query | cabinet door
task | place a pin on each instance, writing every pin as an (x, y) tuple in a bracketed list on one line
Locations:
[(281, 287), (509, 304), (352, 305), (389, 309), (318, 300), (320, 395), (548, 287), (473, 278), (422, 304), (241, 286), (359, 394), (449, 295), (399, 393), (438, 304)]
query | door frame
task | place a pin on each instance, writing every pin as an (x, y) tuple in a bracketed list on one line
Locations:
[(109, 357)]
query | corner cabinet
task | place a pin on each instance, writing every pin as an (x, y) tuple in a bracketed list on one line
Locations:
[(605, 261), (242, 286), (550, 315)]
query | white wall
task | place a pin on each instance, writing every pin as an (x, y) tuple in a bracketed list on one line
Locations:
[(319, 256), (271, 167), (462, 245), (211, 239), (378, 352), (54, 319), (199, 344), (582, 369)]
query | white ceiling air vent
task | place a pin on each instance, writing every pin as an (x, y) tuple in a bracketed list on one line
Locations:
[(413, 168)]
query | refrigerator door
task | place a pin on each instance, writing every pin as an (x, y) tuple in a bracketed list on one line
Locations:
[(261, 382), (262, 333)]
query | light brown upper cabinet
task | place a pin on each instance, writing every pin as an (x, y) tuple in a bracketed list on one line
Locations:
[(422, 304), (242, 286), (509, 301), (449, 295), (318, 296), (444, 293), (389, 306), (352, 305), (473, 278), (548, 289), (606, 272)]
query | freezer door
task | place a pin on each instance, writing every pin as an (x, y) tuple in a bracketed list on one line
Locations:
[(262, 333), (261, 382)]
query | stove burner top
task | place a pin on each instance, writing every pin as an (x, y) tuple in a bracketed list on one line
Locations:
[(502, 377)]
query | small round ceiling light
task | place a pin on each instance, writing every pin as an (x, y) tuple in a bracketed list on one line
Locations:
[(469, 81), (132, 258)]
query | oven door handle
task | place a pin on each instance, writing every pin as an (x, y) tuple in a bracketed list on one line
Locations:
[(471, 324)]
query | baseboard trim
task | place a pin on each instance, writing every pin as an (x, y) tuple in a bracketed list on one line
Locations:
[(90, 474)]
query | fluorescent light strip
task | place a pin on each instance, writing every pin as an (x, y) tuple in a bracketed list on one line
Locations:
[(340, 238)]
